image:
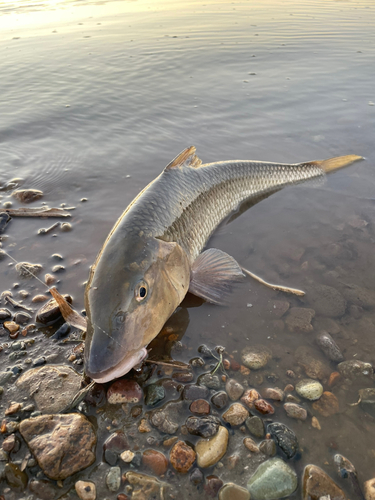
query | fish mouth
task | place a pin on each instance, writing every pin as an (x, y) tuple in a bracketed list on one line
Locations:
[(117, 371)]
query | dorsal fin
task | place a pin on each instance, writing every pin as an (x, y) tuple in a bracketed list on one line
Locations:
[(187, 158)]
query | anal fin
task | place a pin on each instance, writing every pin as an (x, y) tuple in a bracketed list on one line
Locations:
[(212, 275)]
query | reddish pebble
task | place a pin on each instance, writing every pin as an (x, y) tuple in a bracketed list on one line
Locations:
[(155, 461), (244, 371), (212, 486), (200, 407), (234, 365), (249, 397), (333, 379), (124, 391), (289, 388), (182, 457), (275, 394), (263, 407), (327, 405), (183, 376), (122, 496), (226, 364)]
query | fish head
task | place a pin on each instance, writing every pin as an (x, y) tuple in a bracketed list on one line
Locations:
[(133, 289)]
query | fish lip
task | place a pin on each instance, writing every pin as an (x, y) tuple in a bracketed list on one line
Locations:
[(117, 371)]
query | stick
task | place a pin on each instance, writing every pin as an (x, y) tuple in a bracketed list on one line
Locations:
[(183, 366), (281, 288), (35, 212)]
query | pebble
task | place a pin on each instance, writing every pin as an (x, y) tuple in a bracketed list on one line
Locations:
[(314, 367), (182, 457), (13, 408), (22, 317), (309, 389), (268, 447), (295, 411), (251, 445), (234, 389), (327, 301), (127, 456), (263, 407), (154, 394), (213, 485), (192, 392), (317, 484), (9, 443), (23, 269), (272, 480), (358, 296), (220, 400), (231, 491), (249, 397), (5, 314), (61, 444), (49, 279), (315, 423), (369, 487), (256, 426), (161, 420), (15, 478), (155, 461), (86, 490), (329, 347), (209, 380), (145, 487), (113, 479), (50, 312), (183, 377), (39, 298), (206, 426), (114, 445), (299, 320), (124, 391), (256, 357), (58, 269), (333, 379), (27, 195), (284, 437), (354, 369), (65, 227), (210, 451), (200, 407), (327, 405), (273, 393), (11, 326), (196, 477), (236, 414)]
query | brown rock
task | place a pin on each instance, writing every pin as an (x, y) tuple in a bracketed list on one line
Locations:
[(299, 319), (144, 426), (86, 490), (213, 485), (200, 407), (113, 446), (295, 411), (155, 461), (278, 307), (369, 488), (333, 379), (9, 443), (183, 377), (251, 445), (27, 195), (317, 484), (43, 489), (50, 279), (263, 407), (249, 397), (170, 441), (275, 393), (124, 391), (61, 444), (39, 298), (13, 408), (315, 423), (50, 312), (11, 326), (313, 366), (182, 457), (236, 414), (327, 405)]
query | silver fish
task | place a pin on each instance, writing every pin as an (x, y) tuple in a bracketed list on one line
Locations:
[(153, 255)]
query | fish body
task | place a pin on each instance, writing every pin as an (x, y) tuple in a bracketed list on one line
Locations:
[(153, 255)]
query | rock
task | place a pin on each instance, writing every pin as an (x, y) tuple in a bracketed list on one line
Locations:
[(273, 479), (15, 478), (27, 195), (329, 347), (5, 314), (183, 376), (367, 400), (155, 461), (299, 320), (192, 392), (369, 487), (284, 437), (220, 400), (268, 447), (256, 357), (309, 389), (355, 369), (50, 312), (43, 489), (61, 444), (182, 457), (22, 317), (27, 270), (9, 443), (256, 426), (236, 414), (58, 269), (278, 308), (234, 389), (314, 368), (39, 298), (144, 426), (50, 279), (333, 379), (210, 451), (251, 445), (317, 484), (13, 408), (209, 380), (86, 490), (206, 426), (200, 407), (327, 405), (250, 396), (124, 391), (212, 486), (11, 326), (114, 445), (295, 411), (327, 301), (127, 456), (231, 491), (53, 386), (273, 393), (163, 421), (113, 479), (358, 296), (263, 407), (145, 487), (154, 394), (196, 477)]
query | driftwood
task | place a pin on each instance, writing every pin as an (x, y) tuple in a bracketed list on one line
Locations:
[(35, 212)]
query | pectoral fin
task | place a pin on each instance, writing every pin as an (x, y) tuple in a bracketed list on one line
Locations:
[(212, 274)]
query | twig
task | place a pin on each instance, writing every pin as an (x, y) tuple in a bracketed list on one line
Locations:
[(35, 212), (49, 229), (182, 366), (16, 304), (280, 288)]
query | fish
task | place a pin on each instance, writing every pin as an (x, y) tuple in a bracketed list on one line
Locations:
[(155, 252)]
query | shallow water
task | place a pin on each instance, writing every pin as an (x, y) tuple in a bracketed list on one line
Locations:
[(97, 97)]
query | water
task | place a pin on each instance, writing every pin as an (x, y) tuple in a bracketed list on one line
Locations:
[(97, 97)]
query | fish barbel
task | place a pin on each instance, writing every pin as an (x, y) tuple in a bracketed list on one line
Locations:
[(153, 255)]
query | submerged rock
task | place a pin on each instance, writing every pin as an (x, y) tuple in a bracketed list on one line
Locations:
[(369, 488), (155, 461), (256, 357), (220, 400), (317, 484), (272, 480), (182, 457), (295, 411), (26, 270), (231, 491), (210, 451), (206, 426), (234, 389), (309, 389), (236, 414), (284, 437), (86, 490), (114, 445), (256, 426), (61, 444), (124, 391), (212, 486), (355, 369), (27, 195), (327, 301), (299, 320), (210, 381), (314, 367), (154, 394), (327, 405), (329, 347), (113, 479), (367, 400), (200, 407)]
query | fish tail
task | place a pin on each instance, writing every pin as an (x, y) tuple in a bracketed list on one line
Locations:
[(336, 163)]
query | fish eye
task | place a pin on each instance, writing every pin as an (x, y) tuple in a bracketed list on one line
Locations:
[(141, 291)]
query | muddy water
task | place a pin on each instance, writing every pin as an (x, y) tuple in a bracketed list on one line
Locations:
[(97, 97)]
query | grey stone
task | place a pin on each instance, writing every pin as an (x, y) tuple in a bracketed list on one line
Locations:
[(256, 426), (284, 437), (355, 369), (329, 347), (113, 479), (206, 426), (327, 301), (256, 357), (234, 389), (220, 400), (210, 381), (154, 394), (272, 480)]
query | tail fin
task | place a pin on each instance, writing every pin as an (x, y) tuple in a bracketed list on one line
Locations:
[(336, 163)]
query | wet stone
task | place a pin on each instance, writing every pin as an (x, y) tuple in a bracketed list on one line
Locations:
[(268, 447), (162, 421), (15, 478), (327, 405), (250, 396), (284, 437), (113, 479), (273, 393), (369, 489), (206, 426), (115, 444), (22, 317), (295, 411), (145, 487), (58, 269), (155, 461), (196, 362), (314, 368), (209, 381), (272, 480), (192, 392), (86, 490), (44, 489), (210, 451), (264, 407), (358, 296), (212, 486), (182, 457), (317, 484), (124, 391), (329, 347), (236, 414), (196, 477), (26, 270), (220, 400), (367, 400), (251, 445), (256, 426), (61, 444), (327, 301), (183, 377), (27, 195), (11, 326), (355, 369), (256, 357), (299, 320), (309, 389), (200, 407), (154, 394), (127, 456), (9, 443), (231, 491), (5, 314), (50, 312), (144, 426), (234, 389)]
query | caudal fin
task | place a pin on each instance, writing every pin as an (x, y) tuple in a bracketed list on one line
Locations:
[(336, 163)]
